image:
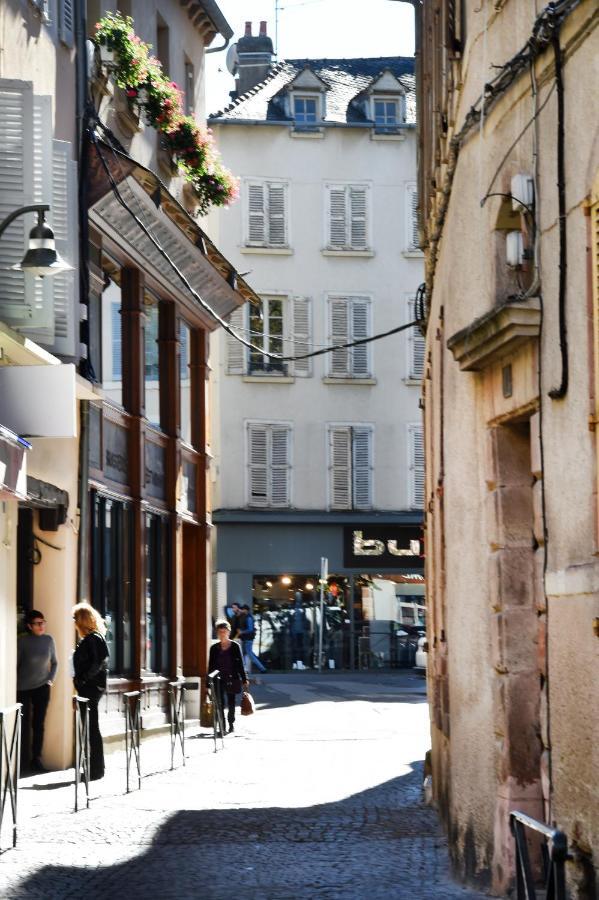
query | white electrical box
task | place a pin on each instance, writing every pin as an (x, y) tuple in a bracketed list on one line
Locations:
[(522, 191), (514, 249)]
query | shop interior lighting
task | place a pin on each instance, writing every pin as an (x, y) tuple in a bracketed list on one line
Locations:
[(309, 586), (285, 580)]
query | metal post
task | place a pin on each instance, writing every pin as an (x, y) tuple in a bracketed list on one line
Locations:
[(324, 574), (556, 843), (133, 733), (176, 691), (218, 722), (10, 764), (81, 748)]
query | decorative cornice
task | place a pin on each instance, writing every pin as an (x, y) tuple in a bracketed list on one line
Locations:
[(496, 334)]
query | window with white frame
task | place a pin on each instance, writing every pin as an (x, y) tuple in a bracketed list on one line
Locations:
[(349, 321), (412, 244), (267, 328), (268, 454), (416, 465), (280, 324), (305, 110), (266, 214), (386, 112), (416, 346), (347, 216), (350, 466)]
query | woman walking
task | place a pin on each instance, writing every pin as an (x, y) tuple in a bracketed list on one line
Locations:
[(90, 662), (226, 656)]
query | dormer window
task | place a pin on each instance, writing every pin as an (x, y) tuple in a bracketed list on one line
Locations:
[(305, 110), (386, 112)]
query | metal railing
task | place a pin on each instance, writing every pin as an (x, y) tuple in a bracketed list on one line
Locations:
[(555, 854), (10, 763), (132, 700), (82, 756), (176, 694), (218, 719)]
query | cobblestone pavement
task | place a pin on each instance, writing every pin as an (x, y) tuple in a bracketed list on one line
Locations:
[(316, 796)]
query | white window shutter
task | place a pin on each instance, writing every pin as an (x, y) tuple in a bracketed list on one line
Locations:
[(16, 189), (337, 218), (279, 466), (358, 203), (256, 215), (67, 21), (340, 465), (416, 347), (236, 352), (302, 335), (412, 232), (258, 465), (416, 465), (277, 215), (362, 466), (339, 324), (360, 355)]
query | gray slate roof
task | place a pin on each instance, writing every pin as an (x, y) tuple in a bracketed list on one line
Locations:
[(346, 79)]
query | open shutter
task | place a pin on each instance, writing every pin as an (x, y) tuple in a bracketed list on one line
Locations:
[(67, 21), (337, 218), (65, 224), (339, 329), (340, 456), (256, 224), (277, 224), (360, 329), (416, 346), (279, 465), (416, 451), (412, 231), (16, 189), (236, 352), (258, 465), (362, 467), (359, 226), (302, 338)]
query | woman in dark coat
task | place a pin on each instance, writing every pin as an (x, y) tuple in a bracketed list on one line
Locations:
[(226, 656), (90, 662)]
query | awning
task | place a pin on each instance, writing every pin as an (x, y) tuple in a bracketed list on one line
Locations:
[(210, 274), (13, 468)]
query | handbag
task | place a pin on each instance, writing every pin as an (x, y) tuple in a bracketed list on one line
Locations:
[(248, 707)]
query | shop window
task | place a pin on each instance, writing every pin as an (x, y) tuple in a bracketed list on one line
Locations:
[(112, 341), (266, 330), (112, 577), (157, 595), (151, 360), (185, 381)]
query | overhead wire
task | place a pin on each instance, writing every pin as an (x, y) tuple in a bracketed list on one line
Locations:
[(206, 306)]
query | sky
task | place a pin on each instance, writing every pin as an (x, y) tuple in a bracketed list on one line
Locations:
[(314, 28)]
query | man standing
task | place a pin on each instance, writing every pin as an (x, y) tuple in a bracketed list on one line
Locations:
[(247, 633), (36, 670)]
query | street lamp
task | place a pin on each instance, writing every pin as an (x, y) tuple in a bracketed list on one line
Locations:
[(41, 257)]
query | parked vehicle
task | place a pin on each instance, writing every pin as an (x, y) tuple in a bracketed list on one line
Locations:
[(421, 660)]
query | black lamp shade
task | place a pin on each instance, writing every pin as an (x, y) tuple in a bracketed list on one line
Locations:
[(41, 257)]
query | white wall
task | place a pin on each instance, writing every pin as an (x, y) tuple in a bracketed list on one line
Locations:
[(346, 155)]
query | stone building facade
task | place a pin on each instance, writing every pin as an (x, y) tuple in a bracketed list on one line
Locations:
[(509, 178)]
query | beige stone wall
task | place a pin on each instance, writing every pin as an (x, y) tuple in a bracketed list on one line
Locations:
[(473, 787)]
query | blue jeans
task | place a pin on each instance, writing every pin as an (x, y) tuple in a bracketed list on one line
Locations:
[(250, 657)]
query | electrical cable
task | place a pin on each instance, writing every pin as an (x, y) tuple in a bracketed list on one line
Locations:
[(206, 306)]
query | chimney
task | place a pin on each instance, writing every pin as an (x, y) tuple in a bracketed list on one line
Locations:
[(255, 55)]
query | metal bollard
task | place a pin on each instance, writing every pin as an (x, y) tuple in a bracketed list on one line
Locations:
[(218, 719), (82, 755), (10, 763), (133, 733), (176, 693)]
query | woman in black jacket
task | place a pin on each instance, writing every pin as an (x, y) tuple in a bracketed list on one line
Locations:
[(90, 662), (226, 656)]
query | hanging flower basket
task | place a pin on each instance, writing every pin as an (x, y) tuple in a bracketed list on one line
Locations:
[(141, 76)]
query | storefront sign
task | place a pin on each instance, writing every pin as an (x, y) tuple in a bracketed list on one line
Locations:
[(155, 470), (387, 546), (116, 452)]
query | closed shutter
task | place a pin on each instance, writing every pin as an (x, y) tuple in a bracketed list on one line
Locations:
[(302, 338), (277, 225), (236, 352), (416, 346), (416, 466), (337, 218), (359, 227), (16, 189), (64, 218), (362, 467), (256, 226), (360, 355), (258, 465), (339, 314), (279, 466), (67, 21), (340, 465), (412, 231)]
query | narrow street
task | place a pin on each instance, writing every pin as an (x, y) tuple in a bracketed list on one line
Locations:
[(316, 796)]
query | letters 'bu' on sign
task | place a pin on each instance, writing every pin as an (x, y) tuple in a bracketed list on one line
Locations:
[(399, 547)]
